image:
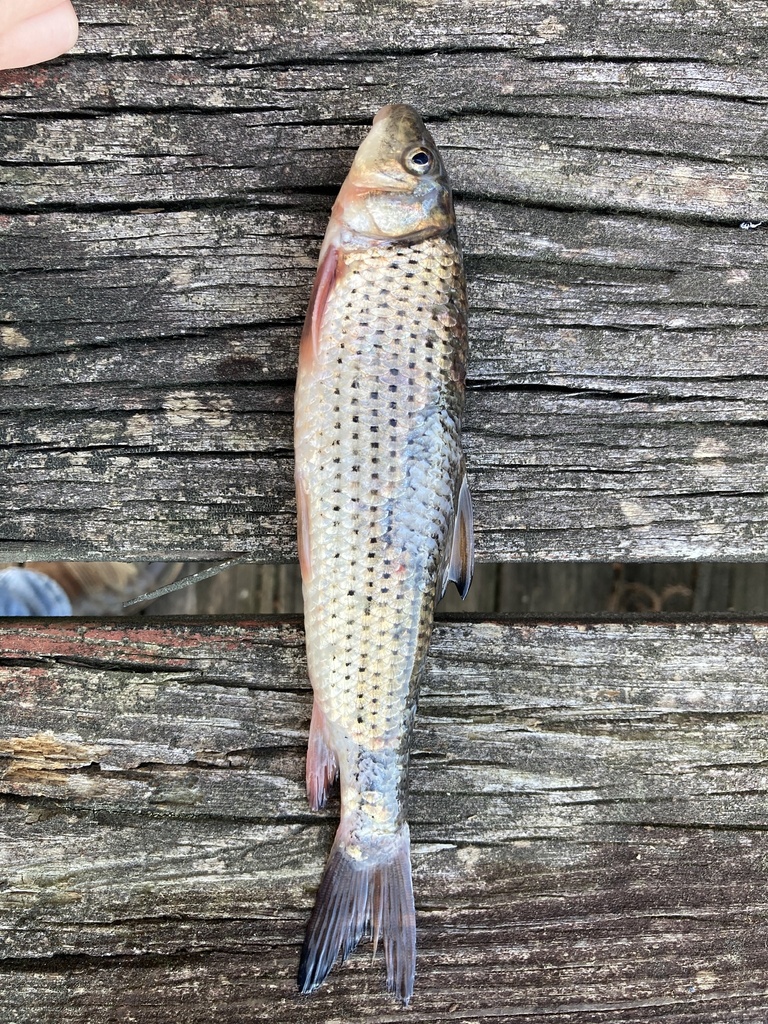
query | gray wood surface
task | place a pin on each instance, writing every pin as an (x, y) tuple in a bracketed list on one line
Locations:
[(163, 194), (588, 800), (588, 813)]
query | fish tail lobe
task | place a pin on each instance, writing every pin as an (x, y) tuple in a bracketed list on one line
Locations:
[(369, 895)]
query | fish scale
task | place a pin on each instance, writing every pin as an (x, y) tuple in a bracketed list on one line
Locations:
[(384, 518), (381, 476)]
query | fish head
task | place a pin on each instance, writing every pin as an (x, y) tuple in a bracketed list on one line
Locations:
[(397, 188)]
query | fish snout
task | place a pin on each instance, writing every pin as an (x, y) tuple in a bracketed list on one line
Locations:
[(394, 109), (401, 122)]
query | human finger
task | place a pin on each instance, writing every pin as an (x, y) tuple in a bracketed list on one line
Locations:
[(43, 35), (13, 12)]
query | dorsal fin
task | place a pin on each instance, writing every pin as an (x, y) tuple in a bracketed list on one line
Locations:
[(461, 554), (318, 300)]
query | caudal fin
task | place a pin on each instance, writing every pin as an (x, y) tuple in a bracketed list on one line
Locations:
[(364, 897)]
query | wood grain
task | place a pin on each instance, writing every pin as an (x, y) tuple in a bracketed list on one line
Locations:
[(588, 797), (588, 814), (163, 194)]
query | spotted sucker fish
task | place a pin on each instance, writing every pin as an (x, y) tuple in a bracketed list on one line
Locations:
[(384, 518)]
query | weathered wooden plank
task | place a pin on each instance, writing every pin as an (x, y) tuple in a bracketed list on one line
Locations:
[(588, 437), (632, 940), (509, 81), (618, 374), (578, 120), (325, 31), (202, 156), (588, 815), (693, 295)]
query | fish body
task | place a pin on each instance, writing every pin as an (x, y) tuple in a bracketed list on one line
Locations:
[(385, 518)]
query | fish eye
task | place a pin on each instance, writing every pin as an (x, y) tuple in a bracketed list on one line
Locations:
[(419, 161)]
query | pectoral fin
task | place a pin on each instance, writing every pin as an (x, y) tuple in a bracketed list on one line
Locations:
[(461, 554)]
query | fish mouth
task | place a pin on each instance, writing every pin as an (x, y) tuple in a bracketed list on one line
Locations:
[(398, 110), (404, 120)]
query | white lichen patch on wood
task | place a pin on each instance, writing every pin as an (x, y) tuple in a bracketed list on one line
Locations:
[(636, 513), (710, 453), (737, 276), (550, 29), (12, 338), (184, 408)]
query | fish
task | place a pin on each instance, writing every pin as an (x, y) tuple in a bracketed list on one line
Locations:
[(385, 519)]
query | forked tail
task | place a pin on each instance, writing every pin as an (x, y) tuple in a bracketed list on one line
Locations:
[(367, 896)]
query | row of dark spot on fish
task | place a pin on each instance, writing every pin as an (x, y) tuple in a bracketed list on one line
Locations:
[(374, 396)]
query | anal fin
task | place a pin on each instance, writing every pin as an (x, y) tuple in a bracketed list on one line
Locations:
[(322, 766)]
